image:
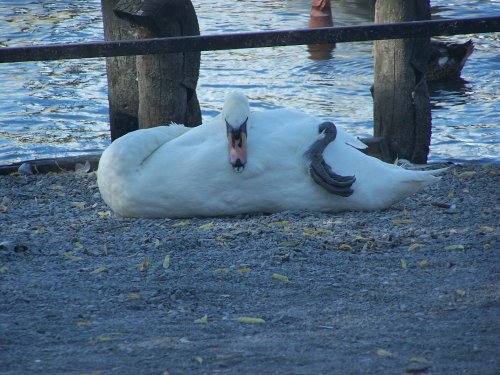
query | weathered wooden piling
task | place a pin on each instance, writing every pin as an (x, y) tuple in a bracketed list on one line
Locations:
[(402, 112), (164, 85), (123, 92)]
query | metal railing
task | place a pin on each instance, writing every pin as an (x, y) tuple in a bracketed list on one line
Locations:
[(400, 30)]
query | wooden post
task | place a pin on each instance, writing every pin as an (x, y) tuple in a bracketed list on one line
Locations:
[(402, 111), (166, 82), (123, 92)]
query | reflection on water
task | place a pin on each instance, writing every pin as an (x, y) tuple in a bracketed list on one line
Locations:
[(60, 108), (320, 16), (449, 93)]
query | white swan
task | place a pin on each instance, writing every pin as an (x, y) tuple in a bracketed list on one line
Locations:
[(174, 171)]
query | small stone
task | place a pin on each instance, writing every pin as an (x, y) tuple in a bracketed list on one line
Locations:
[(25, 169), (417, 368)]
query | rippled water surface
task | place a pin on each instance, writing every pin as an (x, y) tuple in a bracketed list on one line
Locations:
[(60, 108)]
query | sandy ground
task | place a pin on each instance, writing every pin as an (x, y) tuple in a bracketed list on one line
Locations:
[(413, 289)]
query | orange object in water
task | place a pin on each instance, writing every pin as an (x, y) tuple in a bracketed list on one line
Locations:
[(321, 16)]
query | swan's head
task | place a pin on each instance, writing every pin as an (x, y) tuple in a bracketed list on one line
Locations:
[(235, 114)]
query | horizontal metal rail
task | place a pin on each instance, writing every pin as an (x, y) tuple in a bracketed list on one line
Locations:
[(400, 30)]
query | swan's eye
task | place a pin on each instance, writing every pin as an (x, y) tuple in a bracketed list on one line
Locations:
[(236, 132)]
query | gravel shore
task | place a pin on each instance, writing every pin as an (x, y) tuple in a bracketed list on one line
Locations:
[(412, 289)]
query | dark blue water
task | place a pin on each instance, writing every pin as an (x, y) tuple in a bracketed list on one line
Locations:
[(60, 108)]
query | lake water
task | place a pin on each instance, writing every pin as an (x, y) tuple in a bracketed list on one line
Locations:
[(60, 108)]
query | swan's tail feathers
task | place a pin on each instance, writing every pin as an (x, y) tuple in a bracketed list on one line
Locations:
[(418, 179), (437, 172), (430, 175), (408, 182), (420, 169)]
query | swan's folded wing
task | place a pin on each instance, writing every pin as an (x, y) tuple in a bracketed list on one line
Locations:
[(134, 148), (167, 133)]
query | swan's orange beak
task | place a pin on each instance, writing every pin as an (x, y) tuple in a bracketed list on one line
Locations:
[(237, 142)]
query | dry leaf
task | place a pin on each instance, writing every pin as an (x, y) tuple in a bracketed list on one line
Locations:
[(402, 221), (3, 207), (84, 323), (250, 320), (281, 222), (455, 247), (418, 359), (70, 256), (486, 229), (384, 353), (166, 261), (404, 265), (56, 187), (181, 224), (460, 292), (104, 214), (144, 265), (465, 174), (315, 232), (221, 270), (4, 269), (99, 270), (207, 226), (279, 277), (156, 243), (424, 263), (133, 296), (203, 319), (369, 245), (346, 246), (100, 339), (243, 270), (415, 246)]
